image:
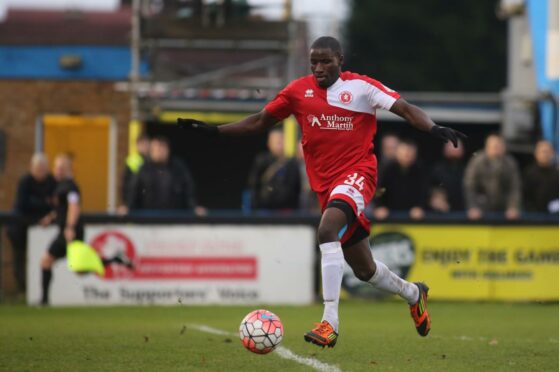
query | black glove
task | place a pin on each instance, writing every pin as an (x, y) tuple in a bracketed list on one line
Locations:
[(447, 134), (200, 126)]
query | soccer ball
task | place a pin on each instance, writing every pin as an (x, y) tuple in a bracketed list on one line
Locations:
[(261, 331)]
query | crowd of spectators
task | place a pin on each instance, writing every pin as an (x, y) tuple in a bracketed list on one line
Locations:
[(489, 184)]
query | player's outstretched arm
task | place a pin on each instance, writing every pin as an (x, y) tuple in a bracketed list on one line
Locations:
[(251, 124), (420, 120)]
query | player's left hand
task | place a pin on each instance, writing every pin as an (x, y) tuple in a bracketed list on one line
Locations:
[(447, 134)]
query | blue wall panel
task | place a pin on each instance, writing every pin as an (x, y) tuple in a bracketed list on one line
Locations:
[(538, 11), (43, 62)]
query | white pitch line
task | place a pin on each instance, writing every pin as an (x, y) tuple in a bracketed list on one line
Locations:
[(285, 353), (280, 351), (213, 331)]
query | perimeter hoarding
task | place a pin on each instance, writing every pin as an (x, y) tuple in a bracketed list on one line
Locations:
[(195, 264), (470, 262)]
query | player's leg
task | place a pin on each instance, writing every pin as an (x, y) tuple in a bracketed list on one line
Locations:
[(47, 261), (365, 268), (56, 250), (359, 257), (332, 261), (332, 225)]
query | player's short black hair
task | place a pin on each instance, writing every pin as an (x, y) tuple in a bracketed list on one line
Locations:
[(328, 42)]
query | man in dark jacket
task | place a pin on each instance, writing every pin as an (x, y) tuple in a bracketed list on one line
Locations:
[(134, 163), (163, 182), (33, 205), (541, 181), (404, 184), (447, 178), (388, 146), (274, 180)]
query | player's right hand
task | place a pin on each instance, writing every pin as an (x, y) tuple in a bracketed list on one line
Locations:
[(200, 126)]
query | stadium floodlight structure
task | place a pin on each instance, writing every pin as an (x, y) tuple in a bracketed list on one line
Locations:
[(533, 71)]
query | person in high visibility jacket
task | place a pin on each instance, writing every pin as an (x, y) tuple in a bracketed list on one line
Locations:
[(134, 162)]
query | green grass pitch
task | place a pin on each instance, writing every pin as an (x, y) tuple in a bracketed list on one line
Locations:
[(373, 335)]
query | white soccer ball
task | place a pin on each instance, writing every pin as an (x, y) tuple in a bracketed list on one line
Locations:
[(261, 331)]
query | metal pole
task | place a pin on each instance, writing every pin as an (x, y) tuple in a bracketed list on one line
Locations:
[(290, 130), (134, 127), (292, 42), (135, 54)]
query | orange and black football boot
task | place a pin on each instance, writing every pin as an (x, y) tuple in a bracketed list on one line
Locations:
[(323, 335), (419, 311)]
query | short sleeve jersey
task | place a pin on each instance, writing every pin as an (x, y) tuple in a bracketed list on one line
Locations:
[(338, 123), (66, 192)]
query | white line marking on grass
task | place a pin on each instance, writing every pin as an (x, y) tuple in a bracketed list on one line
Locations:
[(280, 351), (213, 331), (311, 362)]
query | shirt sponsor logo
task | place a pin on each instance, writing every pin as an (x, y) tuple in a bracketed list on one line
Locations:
[(309, 93), (346, 97), (313, 120), (331, 122)]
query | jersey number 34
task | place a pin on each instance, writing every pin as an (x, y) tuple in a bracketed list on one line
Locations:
[(352, 180)]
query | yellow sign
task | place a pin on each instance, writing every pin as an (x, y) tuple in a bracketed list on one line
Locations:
[(470, 262)]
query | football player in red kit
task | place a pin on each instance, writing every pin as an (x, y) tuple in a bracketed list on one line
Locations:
[(336, 111)]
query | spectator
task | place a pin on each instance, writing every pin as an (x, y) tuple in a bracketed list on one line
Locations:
[(163, 182), (492, 181), (274, 180), (447, 178), (403, 184), (67, 208), (388, 146), (134, 162), (34, 205), (541, 181)]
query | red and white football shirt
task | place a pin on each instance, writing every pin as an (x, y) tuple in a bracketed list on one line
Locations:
[(338, 123), (338, 126)]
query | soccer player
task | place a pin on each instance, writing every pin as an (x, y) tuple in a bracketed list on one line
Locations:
[(67, 209), (336, 112)]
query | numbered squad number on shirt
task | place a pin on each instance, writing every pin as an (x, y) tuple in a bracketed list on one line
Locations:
[(352, 180)]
